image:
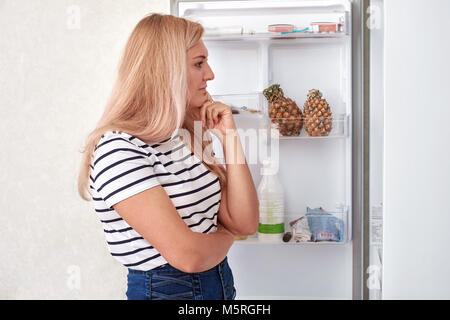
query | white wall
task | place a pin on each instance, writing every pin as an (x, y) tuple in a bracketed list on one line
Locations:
[(56, 70), (417, 133)]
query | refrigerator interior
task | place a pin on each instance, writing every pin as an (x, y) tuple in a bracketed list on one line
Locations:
[(315, 171)]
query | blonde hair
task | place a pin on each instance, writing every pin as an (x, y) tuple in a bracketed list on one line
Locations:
[(149, 97)]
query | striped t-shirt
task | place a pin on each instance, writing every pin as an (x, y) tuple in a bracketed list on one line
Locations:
[(123, 165)]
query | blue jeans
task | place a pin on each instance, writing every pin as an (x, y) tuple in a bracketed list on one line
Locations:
[(167, 283)]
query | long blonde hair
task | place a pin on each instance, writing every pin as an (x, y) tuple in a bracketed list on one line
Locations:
[(149, 97)]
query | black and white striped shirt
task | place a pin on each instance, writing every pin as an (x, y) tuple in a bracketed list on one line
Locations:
[(123, 165)]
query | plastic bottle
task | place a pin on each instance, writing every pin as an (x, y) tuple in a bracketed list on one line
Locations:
[(271, 205)]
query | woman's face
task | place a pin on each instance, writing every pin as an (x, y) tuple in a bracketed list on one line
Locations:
[(199, 72)]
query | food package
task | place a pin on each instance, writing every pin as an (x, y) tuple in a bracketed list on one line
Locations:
[(281, 28), (300, 230), (220, 31), (326, 27), (324, 226)]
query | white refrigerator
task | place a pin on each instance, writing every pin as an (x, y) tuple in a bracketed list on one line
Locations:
[(316, 172)]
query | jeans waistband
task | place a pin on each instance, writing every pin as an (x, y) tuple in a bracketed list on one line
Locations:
[(168, 268)]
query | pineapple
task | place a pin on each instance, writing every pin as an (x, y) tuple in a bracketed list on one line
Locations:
[(317, 114), (283, 111)]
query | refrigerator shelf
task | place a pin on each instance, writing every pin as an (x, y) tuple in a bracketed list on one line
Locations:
[(274, 36), (252, 108), (304, 137), (344, 235), (217, 9), (238, 101), (338, 123), (246, 120), (253, 240)]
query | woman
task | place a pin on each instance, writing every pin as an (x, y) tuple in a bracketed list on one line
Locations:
[(169, 218)]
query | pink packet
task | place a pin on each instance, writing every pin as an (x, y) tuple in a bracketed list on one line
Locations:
[(281, 27)]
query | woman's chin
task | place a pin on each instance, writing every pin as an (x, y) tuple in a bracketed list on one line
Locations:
[(197, 104)]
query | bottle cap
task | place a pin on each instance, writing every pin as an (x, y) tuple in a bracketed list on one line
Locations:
[(268, 167)]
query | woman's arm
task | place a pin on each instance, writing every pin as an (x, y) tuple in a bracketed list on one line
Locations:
[(152, 214), (240, 212), (239, 209)]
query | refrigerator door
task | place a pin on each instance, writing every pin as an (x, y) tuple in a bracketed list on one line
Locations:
[(316, 172), (375, 254)]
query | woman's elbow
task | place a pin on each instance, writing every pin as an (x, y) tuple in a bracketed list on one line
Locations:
[(195, 261), (250, 227), (182, 258), (252, 230), (248, 232), (191, 265)]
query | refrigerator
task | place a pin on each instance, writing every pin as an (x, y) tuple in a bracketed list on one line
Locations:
[(319, 50)]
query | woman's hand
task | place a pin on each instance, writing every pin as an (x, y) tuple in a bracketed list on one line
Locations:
[(218, 116)]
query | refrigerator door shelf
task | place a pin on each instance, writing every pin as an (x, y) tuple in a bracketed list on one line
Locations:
[(257, 16), (250, 101), (248, 36), (339, 217), (338, 130), (257, 8), (253, 239), (257, 104)]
